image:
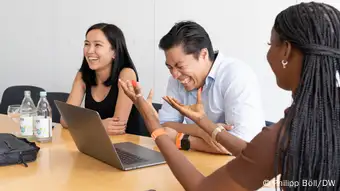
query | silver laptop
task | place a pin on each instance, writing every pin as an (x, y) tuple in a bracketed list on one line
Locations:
[(91, 138)]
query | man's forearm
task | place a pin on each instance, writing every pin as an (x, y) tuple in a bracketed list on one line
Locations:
[(190, 129), (201, 140), (232, 143), (199, 144)]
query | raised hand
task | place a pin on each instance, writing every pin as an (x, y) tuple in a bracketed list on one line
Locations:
[(134, 91), (195, 111), (145, 108)]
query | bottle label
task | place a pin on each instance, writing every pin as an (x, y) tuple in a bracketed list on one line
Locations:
[(43, 127), (26, 126)]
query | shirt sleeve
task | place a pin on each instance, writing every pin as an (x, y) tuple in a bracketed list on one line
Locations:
[(256, 164), (242, 102), (168, 113)]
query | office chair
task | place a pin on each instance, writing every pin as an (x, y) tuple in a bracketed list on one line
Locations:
[(15, 95), (60, 96)]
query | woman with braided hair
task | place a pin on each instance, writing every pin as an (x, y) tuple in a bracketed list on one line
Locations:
[(304, 146)]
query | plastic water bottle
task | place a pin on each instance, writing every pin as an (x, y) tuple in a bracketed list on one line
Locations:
[(43, 121), (27, 113)]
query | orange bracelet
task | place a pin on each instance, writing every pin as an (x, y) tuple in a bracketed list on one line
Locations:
[(179, 137), (158, 132)]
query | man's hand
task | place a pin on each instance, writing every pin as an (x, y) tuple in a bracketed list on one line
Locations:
[(226, 127), (195, 111), (114, 126), (213, 144), (199, 144)]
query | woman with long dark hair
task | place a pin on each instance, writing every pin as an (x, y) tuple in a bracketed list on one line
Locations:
[(106, 59), (304, 146)]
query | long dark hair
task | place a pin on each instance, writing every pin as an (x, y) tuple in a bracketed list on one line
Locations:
[(309, 149), (122, 57)]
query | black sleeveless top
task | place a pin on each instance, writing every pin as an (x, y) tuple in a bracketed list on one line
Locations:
[(106, 109)]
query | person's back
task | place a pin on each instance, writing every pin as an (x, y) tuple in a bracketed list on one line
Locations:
[(307, 39), (304, 146)]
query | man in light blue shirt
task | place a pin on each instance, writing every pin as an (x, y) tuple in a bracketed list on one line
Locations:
[(230, 89)]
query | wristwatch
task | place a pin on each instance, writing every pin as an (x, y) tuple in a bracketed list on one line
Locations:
[(185, 143)]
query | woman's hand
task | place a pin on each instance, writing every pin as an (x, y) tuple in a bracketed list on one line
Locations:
[(114, 126), (133, 90), (195, 111)]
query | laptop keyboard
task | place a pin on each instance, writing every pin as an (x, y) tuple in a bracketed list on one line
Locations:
[(128, 158)]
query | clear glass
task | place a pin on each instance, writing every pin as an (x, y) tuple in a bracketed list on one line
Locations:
[(13, 112)]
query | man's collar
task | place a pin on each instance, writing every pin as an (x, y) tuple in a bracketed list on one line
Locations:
[(216, 63)]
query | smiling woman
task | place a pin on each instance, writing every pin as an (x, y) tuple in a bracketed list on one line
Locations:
[(106, 59)]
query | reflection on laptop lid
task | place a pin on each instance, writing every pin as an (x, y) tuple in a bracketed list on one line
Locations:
[(91, 138)]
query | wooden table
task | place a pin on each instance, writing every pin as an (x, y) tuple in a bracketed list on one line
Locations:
[(60, 166)]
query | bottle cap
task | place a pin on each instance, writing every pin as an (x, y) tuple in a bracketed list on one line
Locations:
[(27, 93), (43, 94)]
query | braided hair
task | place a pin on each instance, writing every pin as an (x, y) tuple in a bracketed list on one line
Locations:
[(308, 152)]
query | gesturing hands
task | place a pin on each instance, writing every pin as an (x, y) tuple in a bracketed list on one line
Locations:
[(194, 111), (214, 144), (133, 90)]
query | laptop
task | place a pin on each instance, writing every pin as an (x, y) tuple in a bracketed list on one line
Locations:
[(91, 138)]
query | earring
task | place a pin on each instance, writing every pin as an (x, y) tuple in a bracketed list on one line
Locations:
[(284, 63)]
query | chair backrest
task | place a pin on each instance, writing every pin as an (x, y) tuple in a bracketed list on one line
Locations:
[(15, 95), (157, 106), (60, 96)]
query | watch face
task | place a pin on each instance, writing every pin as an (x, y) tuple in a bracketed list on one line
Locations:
[(185, 143)]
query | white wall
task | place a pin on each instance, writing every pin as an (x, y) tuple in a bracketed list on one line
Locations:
[(42, 39)]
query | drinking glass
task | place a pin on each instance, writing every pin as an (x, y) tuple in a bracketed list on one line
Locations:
[(13, 112)]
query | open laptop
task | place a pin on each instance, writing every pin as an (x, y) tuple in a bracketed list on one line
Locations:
[(91, 138)]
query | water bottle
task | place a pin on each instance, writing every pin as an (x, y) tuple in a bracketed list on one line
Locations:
[(27, 113), (43, 121)]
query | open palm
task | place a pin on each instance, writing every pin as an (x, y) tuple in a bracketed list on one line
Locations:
[(194, 111)]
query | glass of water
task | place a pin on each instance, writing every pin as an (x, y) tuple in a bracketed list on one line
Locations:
[(13, 112)]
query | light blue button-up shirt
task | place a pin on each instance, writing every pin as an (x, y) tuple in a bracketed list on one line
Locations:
[(231, 95)]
